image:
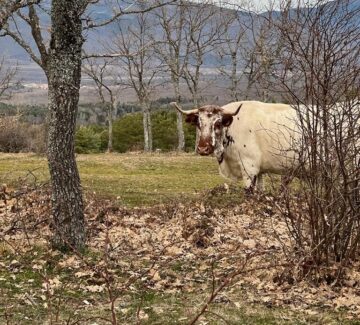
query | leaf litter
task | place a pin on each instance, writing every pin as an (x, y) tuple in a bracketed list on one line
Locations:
[(177, 248)]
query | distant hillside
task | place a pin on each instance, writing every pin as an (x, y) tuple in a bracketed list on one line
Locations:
[(29, 72)]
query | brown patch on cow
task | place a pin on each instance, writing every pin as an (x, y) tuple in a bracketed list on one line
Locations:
[(210, 109), (204, 142), (205, 147), (192, 119)]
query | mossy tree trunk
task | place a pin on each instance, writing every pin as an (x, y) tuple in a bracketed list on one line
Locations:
[(64, 74)]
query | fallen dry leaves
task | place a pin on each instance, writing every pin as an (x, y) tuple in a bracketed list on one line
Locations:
[(176, 248)]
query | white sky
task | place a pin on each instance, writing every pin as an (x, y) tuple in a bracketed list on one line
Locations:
[(253, 5), (261, 5)]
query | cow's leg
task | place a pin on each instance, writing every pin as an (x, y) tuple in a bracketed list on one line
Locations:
[(285, 181), (260, 182), (250, 174)]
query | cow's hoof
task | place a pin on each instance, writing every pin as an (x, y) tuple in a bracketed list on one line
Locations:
[(249, 191)]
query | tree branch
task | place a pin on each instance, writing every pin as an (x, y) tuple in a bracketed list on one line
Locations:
[(8, 7), (6, 77), (36, 33), (18, 39), (126, 11)]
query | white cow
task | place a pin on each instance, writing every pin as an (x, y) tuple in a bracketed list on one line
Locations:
[(248, 138)]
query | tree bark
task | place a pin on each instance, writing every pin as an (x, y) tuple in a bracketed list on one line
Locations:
[(234, 78), (150, 131), (64, 74), (110, 127), (147, 126), (179, 118), (8, 7)]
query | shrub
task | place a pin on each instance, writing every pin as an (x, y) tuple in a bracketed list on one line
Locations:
[(128, 132), (16, 136), (164, 131), (36, 138), (190, 137), (87, 140)]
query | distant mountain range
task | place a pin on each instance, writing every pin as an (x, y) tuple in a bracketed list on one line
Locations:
[(30, 72)]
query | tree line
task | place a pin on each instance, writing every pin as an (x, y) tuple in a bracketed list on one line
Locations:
[(26, 132), (171, 44)]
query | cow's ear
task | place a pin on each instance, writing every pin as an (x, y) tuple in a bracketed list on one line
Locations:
[(227, 120), (192, 119)]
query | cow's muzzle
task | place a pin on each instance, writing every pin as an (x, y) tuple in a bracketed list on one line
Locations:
[(205, 150)]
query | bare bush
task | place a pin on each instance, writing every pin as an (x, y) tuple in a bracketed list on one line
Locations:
[(319, 68), (7, 75), (17, 136)]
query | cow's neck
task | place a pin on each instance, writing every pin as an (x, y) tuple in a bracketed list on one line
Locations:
[(220, 158), (226, 142)]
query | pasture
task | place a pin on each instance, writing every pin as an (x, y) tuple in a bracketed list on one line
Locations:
[(130, 179), (168, 243)]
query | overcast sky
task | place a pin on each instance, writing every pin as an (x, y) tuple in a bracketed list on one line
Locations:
[(253, 5), (262, 5)]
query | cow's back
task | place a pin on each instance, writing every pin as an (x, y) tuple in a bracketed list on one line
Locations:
[(263, 133)]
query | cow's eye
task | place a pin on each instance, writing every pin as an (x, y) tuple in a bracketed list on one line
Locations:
[(217, 125)]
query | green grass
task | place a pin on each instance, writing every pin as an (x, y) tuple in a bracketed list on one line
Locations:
[(134, 179)]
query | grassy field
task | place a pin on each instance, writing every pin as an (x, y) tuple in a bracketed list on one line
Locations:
[(133, 179)]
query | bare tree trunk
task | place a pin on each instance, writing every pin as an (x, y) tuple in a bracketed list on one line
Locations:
[(110, 127), (234, 78), (150, 130), (179, 118), (64, 74), (147, 126), (197, 136)]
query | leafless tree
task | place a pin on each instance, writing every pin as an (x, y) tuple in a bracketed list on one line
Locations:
[(249, 50), (320, 72), (204, 30), (7, 75), (171, 48), (104, 78), (260, 53), (137, 65), (230, 50)]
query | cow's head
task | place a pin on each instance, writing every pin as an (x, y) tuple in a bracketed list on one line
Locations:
[(211, 121)]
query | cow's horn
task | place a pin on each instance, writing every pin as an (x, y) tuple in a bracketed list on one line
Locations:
[(192, 111), (232, 112)]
